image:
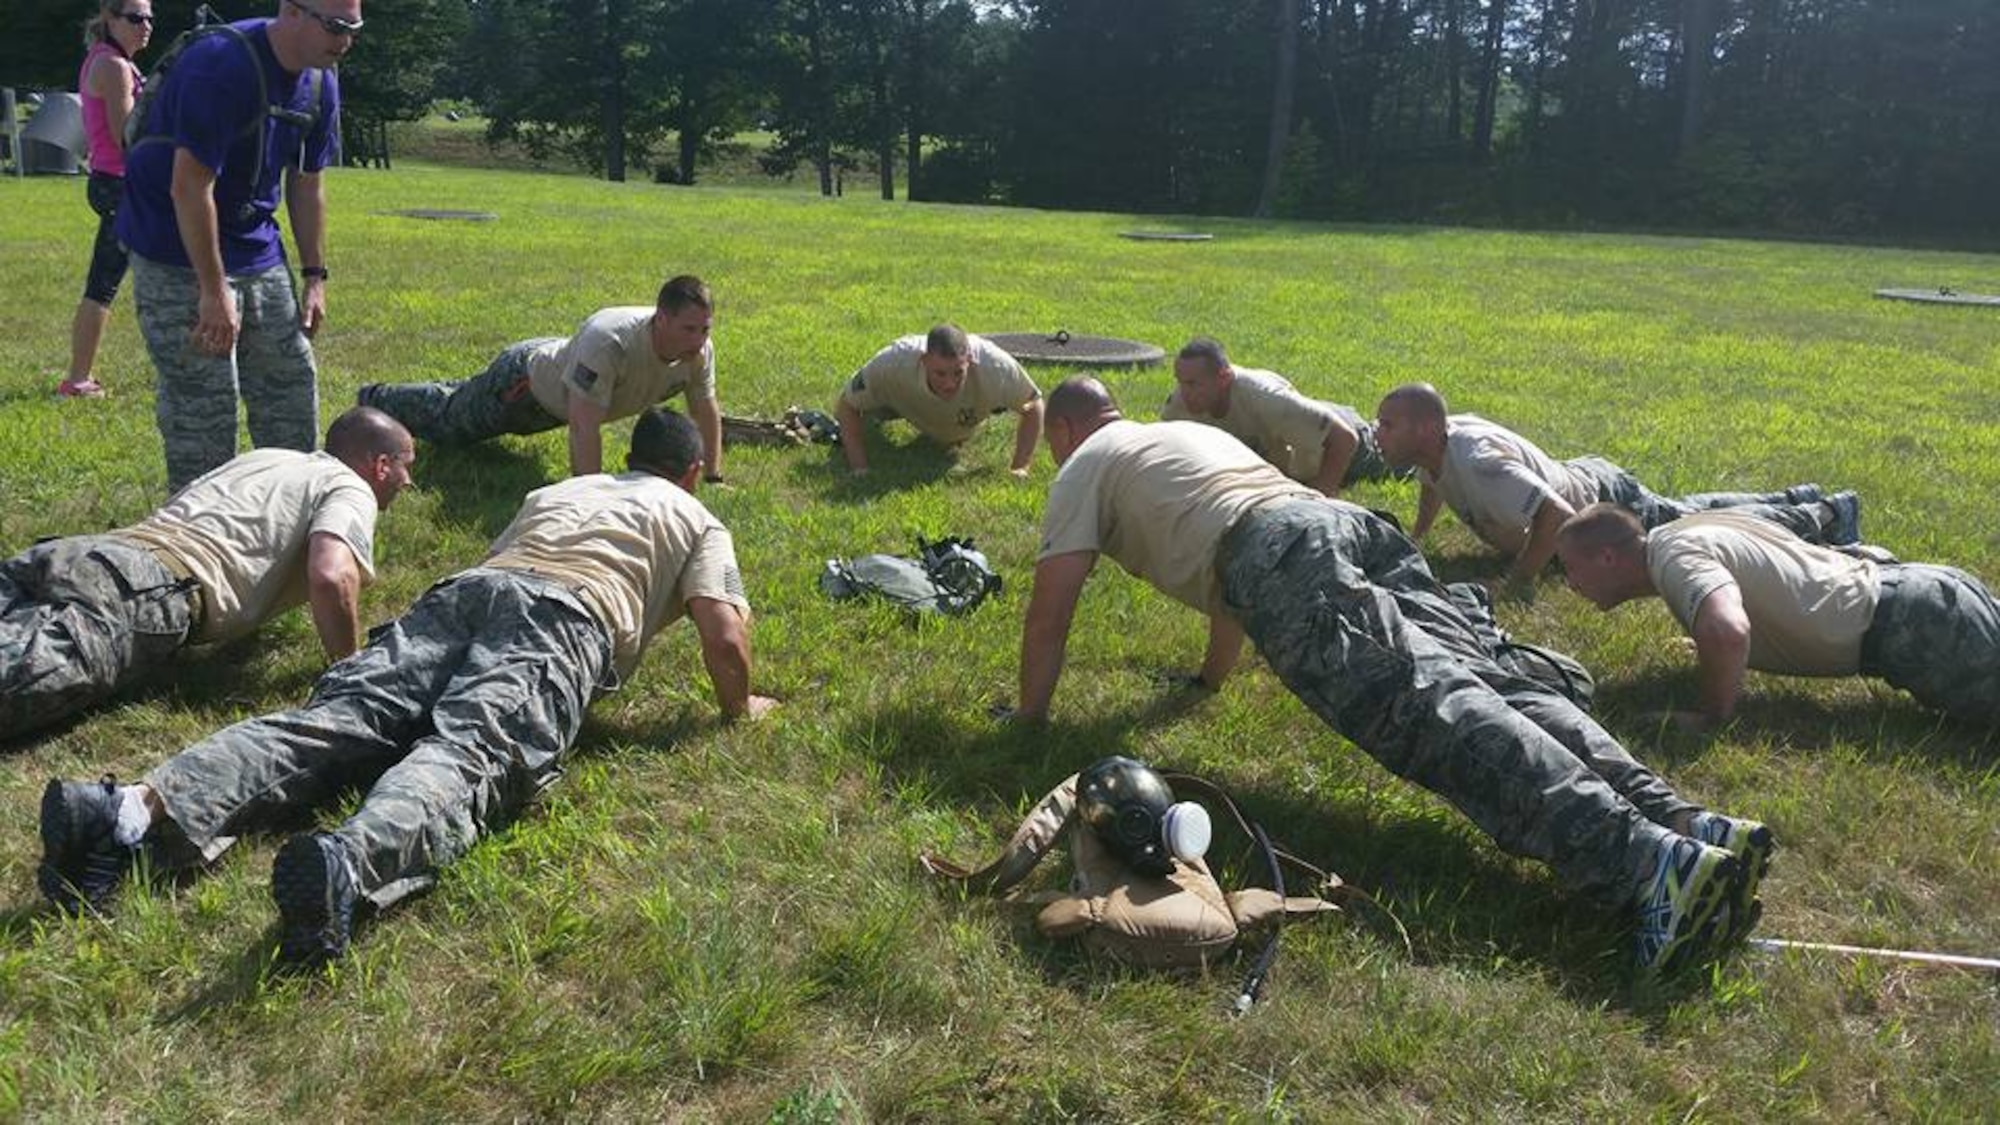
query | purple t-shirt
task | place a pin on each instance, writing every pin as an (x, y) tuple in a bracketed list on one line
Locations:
[(207, 104)]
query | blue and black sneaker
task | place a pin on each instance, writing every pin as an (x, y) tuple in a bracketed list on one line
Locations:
[(82, 860), (314, 885), (1804, 494), (1678, 914), (1753, 845)]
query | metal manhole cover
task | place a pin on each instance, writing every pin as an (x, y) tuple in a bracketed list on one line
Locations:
[(444, 214), (1166, 236), (1940, 296), (1077, 351)]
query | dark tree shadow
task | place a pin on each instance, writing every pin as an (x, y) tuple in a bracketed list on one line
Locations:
[(482, 485)]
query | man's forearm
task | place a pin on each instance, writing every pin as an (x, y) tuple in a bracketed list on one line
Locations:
[(708, 419), (1026, 436), (1042, 650), (1225, 648), (1428, 502), (194, 215), (336, 614), (728, 664), (1335, 457), (853, 438), (305, 202), (586, 448)]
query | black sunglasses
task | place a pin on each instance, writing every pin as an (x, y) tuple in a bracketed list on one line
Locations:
[(136, 19), (334, 25)]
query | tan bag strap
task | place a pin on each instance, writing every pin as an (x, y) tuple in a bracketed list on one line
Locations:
[(1037, 834)]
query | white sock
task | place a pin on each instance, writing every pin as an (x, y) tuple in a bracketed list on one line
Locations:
[(134, 818)]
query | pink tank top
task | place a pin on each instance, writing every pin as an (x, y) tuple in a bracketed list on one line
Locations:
[(107, 155)]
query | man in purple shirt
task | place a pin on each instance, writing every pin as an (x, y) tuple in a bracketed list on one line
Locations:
[(246, 114)]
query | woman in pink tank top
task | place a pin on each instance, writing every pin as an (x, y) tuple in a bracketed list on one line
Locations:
[(108, 84)]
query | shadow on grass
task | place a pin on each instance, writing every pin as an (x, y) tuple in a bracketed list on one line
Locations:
[(892, 467), (1463, 903), (240, 981), (205, 676), (1893, 732), (481, 485)]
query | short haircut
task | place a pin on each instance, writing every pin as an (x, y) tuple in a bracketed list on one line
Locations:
[(364, 433), (1419, 400), (1602, 525), (687, 289), (1207, 350), (947, 341), (665, 442), (1080, 398)]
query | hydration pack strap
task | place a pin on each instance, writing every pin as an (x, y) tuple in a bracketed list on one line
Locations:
[(1037, 834)]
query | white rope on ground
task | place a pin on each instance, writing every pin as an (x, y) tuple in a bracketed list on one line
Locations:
[(1954, 960)]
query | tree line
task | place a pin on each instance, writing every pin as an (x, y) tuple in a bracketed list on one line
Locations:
[(1872, 117)]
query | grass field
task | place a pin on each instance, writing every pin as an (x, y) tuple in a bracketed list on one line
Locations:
[(726, 923)]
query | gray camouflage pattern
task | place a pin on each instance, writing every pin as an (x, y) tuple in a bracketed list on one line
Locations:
[(271, 372), (453, 717), (494, 402), (1346, 612), (1809, 522), (1936, 635), (80, 618)]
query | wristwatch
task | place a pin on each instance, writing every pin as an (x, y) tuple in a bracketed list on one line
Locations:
[(311, 272)]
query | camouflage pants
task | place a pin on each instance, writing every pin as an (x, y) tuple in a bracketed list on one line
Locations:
[(1615, 485), (496, 401), (80, 617), (271, 369), (1347, 613), (455, 716), (1936, 635)]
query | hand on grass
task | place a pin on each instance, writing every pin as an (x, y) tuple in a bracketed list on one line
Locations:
[(756, 708)]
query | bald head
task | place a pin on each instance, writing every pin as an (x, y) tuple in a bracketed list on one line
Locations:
[(1418, 402), (1603, 526), (364, 433), (1077, 408), (1410, 427), (1081, 399)]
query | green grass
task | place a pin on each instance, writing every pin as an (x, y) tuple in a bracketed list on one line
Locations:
[(719, 923)]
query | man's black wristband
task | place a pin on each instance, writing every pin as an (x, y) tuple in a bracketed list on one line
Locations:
[(311, 272), (712, 478)]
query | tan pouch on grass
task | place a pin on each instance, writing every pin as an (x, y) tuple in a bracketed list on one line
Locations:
[(1183, 920)]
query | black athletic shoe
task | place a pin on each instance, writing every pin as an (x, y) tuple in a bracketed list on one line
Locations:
[(1845, 526), (314, 885), (82, 860), (1797, 494)]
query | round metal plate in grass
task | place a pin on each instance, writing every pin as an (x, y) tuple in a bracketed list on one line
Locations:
[(1940, 296), (444, 215), (1166, 236), (1077, 351)]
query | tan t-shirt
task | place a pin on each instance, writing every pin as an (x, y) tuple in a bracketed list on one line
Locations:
[(892, 385), (635, 548), (1495, 481), (1808, 606), (1270, 416), (1158, 499), (611, 362), (241, 531)]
